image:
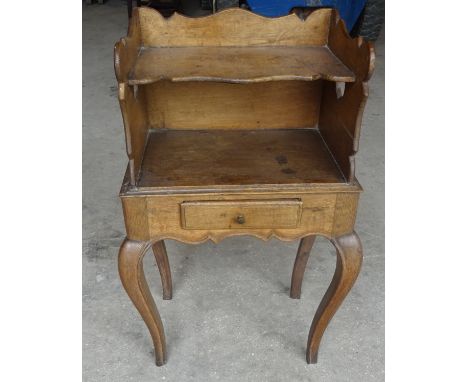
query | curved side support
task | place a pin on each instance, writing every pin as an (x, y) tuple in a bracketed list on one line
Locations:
[(348, 263), (160, 254), (300, 264), (133, 279)]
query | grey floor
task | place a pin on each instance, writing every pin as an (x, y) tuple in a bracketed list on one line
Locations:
[(230, 318)]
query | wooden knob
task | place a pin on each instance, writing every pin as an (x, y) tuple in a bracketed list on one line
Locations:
[(240, 219)]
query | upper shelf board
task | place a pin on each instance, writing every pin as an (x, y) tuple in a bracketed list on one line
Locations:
[(237, 64), (238, 46)]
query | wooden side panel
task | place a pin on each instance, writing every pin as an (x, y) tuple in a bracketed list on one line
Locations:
[(131, 101), (340, 118), (340, 123), (232, 27), (126, 51), (136, 218), (345, 213), (241, 214), (206, 105), (133, 107), (356, 53)]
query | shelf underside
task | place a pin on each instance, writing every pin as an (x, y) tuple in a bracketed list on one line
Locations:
[(181, 158), (238, 64)]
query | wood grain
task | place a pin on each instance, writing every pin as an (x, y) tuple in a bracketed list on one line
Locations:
[(356, 53), (136, 216), (126, 50), (133, 107), (241, 214), (286, 48), (212, 105), (164, 216), (345, 213), (232, 27), (237, 64), (341, 118), (215, 157), (317, 216), (340, 123)]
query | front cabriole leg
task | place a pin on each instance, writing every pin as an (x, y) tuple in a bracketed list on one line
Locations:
[(134, 281), (348, 263)]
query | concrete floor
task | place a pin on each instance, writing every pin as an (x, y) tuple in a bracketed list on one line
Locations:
[(230, 318)]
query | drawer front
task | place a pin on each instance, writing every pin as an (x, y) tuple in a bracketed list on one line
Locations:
[(283, 213)]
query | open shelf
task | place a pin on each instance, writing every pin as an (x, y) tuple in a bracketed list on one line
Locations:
[(237, 64), (180, 158), (221, 100)]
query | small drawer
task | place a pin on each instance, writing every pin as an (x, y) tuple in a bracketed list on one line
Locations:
[(239, 214)]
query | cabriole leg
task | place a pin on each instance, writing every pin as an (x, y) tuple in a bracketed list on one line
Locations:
[(160, 254), (300, 265), (133, 279), (348, 263)]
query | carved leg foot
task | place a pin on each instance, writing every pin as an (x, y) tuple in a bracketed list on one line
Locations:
[(300, 265), (348, 263), (133, 279), (160, 254)]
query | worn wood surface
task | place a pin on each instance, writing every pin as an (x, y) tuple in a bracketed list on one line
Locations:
[(237, 64), (347, 205), (341, 117), (214, 105), (126, 50), (300, 264), (159, 216), (136, 125), (356, 53), (317, 216), (232, 27), (348, 264), (340, 123), (264, 49), (203, 49), (135, 211), (241, 214), (216, 157)]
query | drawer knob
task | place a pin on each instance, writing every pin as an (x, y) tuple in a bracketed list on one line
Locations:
[(240, 219)]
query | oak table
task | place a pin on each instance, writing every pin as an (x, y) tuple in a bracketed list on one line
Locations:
[(236, 124)]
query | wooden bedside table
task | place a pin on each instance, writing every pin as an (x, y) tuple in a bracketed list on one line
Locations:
[(237, 124)]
